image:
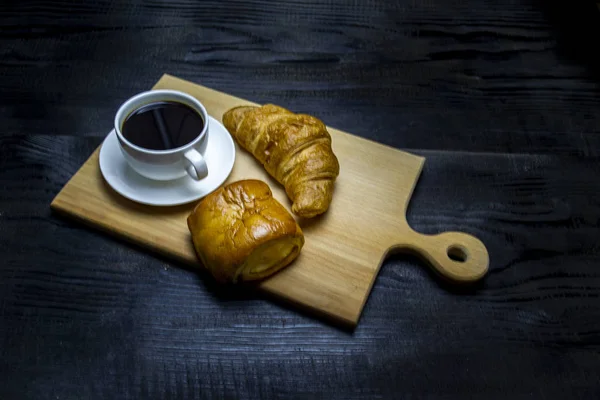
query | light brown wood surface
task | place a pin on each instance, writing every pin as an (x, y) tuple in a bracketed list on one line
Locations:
[(344, 248)]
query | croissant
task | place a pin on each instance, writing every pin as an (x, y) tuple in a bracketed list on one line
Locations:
[(241, 233), (295, 149)]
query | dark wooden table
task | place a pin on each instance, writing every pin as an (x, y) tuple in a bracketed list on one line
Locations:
[(502, 97)]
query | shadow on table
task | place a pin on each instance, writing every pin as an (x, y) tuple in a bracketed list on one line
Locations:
[(444, 284), (251, 291)]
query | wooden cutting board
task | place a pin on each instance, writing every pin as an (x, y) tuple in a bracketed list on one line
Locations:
[(344, 248)]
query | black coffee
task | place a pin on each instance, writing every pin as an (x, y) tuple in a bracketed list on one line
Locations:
[(162, 125)]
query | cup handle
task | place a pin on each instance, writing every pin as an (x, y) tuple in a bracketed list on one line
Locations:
[(196, 165)]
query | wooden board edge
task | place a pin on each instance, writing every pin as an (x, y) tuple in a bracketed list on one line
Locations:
[(332, 319)]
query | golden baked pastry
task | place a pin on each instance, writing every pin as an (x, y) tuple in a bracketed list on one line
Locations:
[(241, 232), (295, 149)]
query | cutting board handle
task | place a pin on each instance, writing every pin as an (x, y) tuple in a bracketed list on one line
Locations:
[(455, 255)]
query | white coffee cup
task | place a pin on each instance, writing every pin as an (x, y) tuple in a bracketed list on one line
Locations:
[(164, 164)]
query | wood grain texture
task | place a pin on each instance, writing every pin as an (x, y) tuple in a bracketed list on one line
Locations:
[(500, 96), (343, 249)]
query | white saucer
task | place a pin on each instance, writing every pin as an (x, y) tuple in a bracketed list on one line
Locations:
[(220, 156)]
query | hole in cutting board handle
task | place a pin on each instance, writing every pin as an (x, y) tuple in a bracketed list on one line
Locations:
[(457, 253)]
